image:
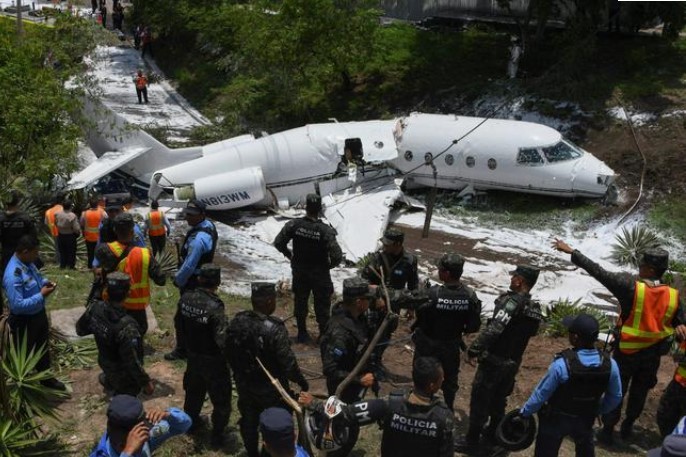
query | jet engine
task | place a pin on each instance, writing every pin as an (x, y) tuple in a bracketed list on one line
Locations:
[(233, 189)]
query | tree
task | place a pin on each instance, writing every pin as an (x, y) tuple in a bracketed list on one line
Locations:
[(38, 139)]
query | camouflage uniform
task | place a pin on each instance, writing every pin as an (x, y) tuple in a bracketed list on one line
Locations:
[(253, 334), (499, 348), (315, 252), (399, 272), (204, 325), (640, 368), (117, 337), (344, 342)]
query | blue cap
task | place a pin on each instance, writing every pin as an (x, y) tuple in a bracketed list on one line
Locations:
[(584, 325), (672, 446), (125, 411), (276, 426), (194, 207)]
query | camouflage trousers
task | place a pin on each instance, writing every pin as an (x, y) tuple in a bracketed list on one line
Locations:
[(672, 407), (208, 375), (493, 383)]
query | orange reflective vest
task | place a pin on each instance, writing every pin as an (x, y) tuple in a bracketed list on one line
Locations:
[(50, 219), (136, 265), (155, 225), (141, 82), (650, 320), (680, 373), (92, 217)]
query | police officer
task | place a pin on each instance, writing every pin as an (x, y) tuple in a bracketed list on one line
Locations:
[(650, 313), (580, 383), (315, 252), (14, 224), (399, 269), (672, 406), (278, 434), (499, 349), (118, 339), (198, 249), (345, 339), (412, 423), (204, 325), (444, 314), (27, 292), (107, 233), (257, 334)]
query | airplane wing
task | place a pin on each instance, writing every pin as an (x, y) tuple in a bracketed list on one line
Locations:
[(360, 216), (107, 163)]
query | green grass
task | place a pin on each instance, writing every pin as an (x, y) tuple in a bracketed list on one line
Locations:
[(669, 215)]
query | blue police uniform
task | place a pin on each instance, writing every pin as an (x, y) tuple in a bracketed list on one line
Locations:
[(198, 244), (177, 423), (22, 285), (555, 426)]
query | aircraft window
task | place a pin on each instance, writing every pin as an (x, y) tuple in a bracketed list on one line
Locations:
[(378, 144), (408, 156), (560, 152), (492, 164), (449, 159), (470, 161), (529, 156), (428, 157)]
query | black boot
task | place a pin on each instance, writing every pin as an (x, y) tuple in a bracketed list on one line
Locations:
[(303, 337), (626, 431)]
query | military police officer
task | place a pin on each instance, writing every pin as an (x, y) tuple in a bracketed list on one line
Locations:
[(580, 383), (203, 324), (651, 312), (399, 269), (198, 249), (315, 252), (499, 349), (345, 339), (257, 334), (412, 423), (444, 314), (117, 337)]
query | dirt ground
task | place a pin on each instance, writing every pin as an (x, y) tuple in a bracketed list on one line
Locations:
[(82, 418)]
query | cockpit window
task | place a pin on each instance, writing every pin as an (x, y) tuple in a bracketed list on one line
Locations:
[(529, 156), (561, 151)]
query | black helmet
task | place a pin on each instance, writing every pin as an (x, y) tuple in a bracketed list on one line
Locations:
[(331, 429), (515, 432)]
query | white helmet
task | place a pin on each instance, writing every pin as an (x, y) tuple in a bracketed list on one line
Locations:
[(331, 430)]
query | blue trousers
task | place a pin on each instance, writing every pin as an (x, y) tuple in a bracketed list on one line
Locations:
[(553, 427)]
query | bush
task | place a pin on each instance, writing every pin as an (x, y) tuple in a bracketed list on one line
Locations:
[(562, 308), (630, 245)]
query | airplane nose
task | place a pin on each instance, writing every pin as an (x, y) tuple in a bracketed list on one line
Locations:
[(593, 177)]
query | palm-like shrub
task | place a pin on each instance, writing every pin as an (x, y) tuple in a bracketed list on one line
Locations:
[(565, 307), (630, 245), (166, 260)]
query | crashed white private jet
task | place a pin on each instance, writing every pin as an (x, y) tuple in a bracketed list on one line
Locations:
[(419, 150)]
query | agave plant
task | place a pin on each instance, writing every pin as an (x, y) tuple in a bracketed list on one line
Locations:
[(166, 260), (28, 399), (631, 244), (565, 307), (67, 354), (47, 247), (30, 208)]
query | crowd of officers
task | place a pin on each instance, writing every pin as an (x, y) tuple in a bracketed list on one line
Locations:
[(581, 383)]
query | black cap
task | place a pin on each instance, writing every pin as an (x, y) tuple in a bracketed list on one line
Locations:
[(356, 287), (211, 272), (392, 235), (123, 220), (276, 426), (313, 203), (529, 273), (118, 281), (112, 204), (262, 289), (194, 207), (452, 262), (515, 432), (672, 446), (584, 325), (657, 258)]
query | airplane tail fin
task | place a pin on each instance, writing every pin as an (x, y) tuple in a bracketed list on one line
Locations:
[(107, 131)]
